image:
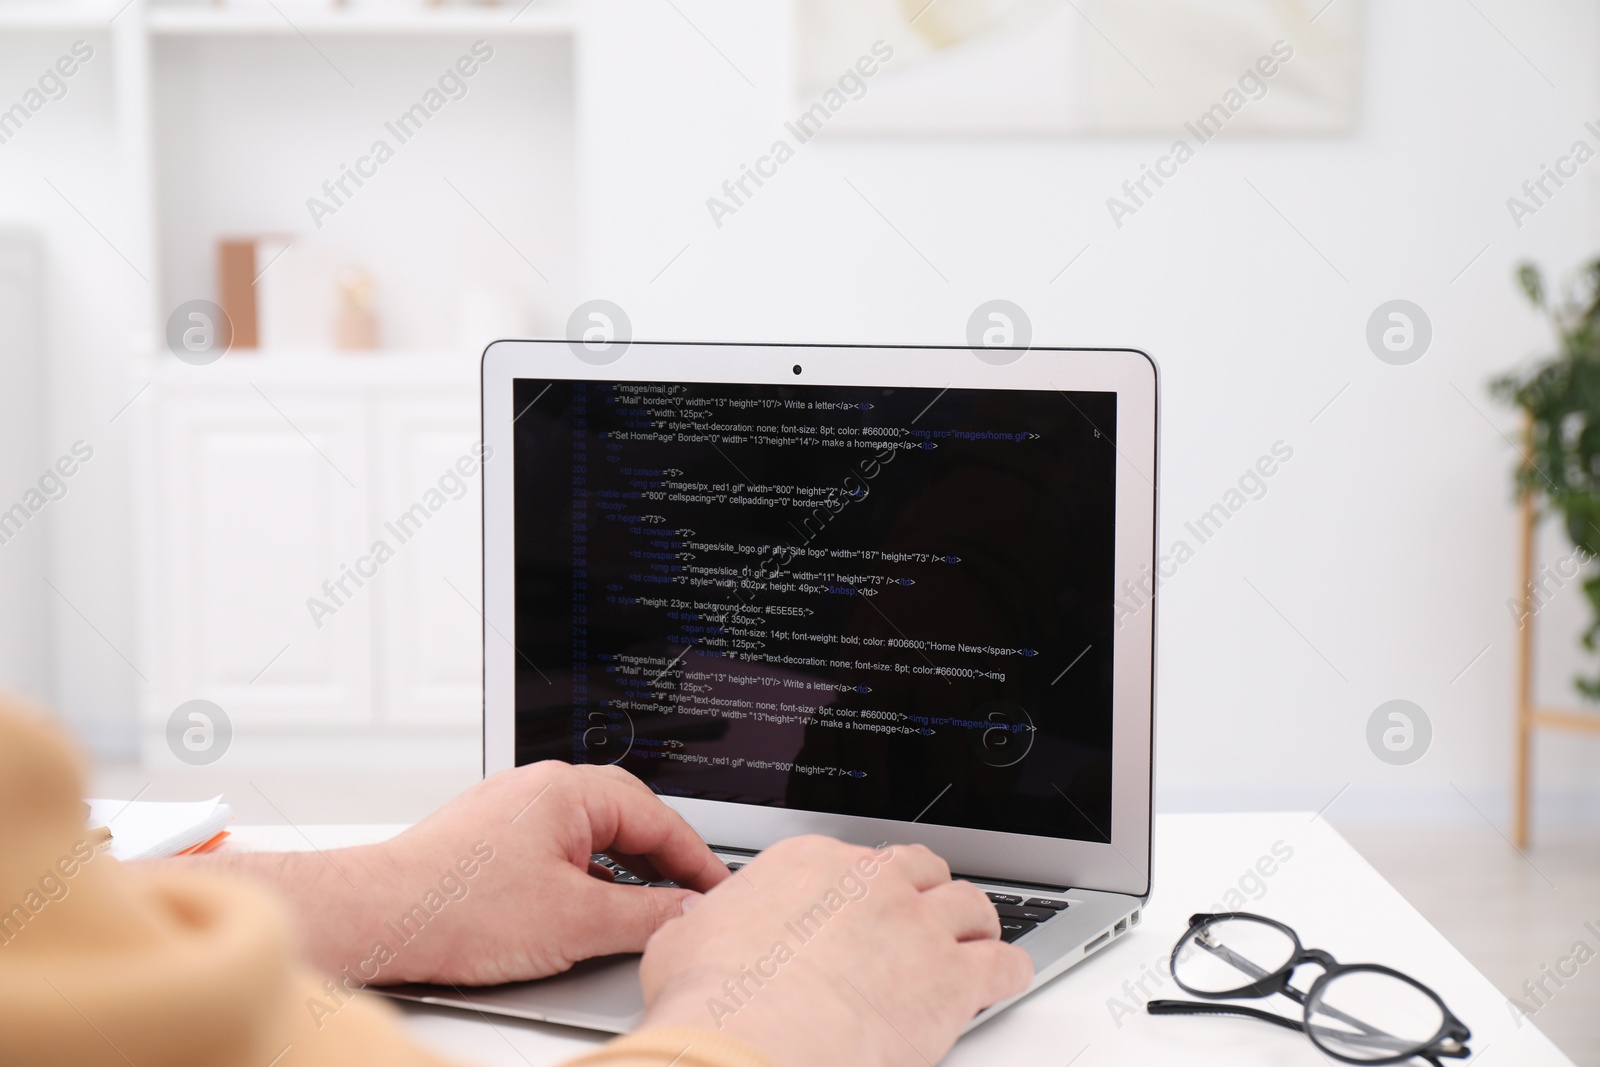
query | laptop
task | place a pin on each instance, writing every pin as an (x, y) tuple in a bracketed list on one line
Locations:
[(885, 593)]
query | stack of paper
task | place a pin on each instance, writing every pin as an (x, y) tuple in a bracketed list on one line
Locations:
[(146, 829)]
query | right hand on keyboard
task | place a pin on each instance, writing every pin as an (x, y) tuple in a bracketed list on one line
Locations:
[(821, 953)]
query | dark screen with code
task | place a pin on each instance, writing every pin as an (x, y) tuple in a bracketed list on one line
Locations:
[(886, 602)]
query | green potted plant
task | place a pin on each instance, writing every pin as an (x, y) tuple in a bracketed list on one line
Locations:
[(1560, 399)]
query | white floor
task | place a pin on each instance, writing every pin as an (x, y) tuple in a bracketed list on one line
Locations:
[(1516, 917)]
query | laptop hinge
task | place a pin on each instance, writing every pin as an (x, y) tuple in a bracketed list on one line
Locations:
[(1012, 883)]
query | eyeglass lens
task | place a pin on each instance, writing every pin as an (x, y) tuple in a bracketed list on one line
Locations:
[(1229, 954), (1369, 1015)]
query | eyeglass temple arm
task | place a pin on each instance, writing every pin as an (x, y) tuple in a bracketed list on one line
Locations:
[(1192, 1007), (1250, 967), (1256, 971), (1368, 1033), (1377, 1039)]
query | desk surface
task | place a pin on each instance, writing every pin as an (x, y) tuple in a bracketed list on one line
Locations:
[(1093, 1016)]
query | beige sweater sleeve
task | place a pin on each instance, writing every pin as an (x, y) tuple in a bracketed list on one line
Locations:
[(102, 966), (677, 1048)]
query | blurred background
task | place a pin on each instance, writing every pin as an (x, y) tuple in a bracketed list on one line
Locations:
[(371, 192)]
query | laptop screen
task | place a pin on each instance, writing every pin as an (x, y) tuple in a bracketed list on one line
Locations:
[(883, 602)]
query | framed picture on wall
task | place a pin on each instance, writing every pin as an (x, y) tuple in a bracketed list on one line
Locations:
[(1052, 67)]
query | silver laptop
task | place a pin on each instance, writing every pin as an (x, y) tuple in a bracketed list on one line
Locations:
[(889, 594)]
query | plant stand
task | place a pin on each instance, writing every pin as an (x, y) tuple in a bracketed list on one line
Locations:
[(1531, 716)]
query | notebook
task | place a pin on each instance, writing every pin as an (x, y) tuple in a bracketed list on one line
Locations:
[(147, 829)]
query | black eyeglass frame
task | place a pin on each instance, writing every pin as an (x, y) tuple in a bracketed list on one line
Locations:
[(1449, 1041)]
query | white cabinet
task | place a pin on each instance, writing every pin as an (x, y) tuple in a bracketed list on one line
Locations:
[(256, 507), (430, 594), (314, 560)]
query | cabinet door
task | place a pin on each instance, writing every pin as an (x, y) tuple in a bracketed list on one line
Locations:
[(263, 504), (430, 507)]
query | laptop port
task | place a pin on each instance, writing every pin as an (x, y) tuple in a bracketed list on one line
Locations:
[(1121, 928), (1133, 919), (1097, 942)]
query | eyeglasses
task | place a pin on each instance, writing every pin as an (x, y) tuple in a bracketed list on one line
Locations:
[(1357, 1013)]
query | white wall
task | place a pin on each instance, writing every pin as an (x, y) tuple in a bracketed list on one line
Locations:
[(1388, 540), (94, 251), (24, 645)]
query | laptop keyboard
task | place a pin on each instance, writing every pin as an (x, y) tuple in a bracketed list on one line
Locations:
[(1019, 915)]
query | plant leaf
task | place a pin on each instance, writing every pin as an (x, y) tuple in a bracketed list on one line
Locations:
[(1532, 284)]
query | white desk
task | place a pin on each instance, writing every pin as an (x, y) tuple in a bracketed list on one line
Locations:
[(1325, 890)]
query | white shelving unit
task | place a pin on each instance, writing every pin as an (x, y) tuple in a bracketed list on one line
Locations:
[(311, 369), (262, 476), (20, 15), (535, 21), (536, 18)]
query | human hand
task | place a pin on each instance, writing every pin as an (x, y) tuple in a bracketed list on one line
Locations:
[(534, 904), (820, 953)]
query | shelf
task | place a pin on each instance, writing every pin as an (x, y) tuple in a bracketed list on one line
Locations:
[(62, 14), (539, 19), (332, 369)]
